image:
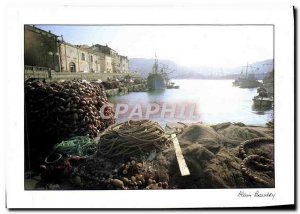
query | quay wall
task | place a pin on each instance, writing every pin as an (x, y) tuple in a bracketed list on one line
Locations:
[(125, 90), (57, 76)]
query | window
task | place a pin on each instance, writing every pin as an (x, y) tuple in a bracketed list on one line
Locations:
[(91, 58), (82, 56)]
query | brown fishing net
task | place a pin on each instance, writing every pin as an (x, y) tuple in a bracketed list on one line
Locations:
[(214, 160)]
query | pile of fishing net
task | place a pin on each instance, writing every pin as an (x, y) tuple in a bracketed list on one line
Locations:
[(223, 156), (57, 111), (132, 138), (111, 85), (66, 109)]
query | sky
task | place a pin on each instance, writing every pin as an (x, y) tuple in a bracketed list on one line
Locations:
[(191, 46)]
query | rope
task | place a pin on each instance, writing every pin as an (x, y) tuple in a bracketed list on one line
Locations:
[(59, 156), (258, 161), (132, 137)]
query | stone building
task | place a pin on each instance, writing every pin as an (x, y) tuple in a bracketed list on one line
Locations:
[(78, 59), (106, 63), (44, 49), (115, 60), (123, 64), (41, 48), (92, 57)]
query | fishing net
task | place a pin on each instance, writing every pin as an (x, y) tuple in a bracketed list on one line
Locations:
[(76, 146), (224, 156)]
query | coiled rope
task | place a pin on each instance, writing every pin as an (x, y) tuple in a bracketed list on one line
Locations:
[(132, 137), (258, 161)]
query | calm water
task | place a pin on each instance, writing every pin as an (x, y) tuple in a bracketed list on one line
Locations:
[(216, 101)]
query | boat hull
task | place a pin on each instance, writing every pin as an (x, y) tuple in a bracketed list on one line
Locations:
[(249, 84), (263, 101), (156, 82)]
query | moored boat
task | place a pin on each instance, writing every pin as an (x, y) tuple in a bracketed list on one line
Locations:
[(157, 79), (263, 99), (246, 80), (171, 85)]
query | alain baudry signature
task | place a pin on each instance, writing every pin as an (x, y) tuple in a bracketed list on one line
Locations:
[(256, 194)]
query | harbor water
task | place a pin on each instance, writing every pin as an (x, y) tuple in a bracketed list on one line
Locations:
[(215, 101)]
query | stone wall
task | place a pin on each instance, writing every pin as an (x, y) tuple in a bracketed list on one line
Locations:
[(58, 76), (125, 90)]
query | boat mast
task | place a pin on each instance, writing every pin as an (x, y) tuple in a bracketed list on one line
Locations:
[(155, 66)]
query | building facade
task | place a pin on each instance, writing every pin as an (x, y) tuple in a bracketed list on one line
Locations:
[(41, 48), (106, 63), (124, 64), (44, 49), (78, 59), (115, 58), (115, 61), (91, 57)]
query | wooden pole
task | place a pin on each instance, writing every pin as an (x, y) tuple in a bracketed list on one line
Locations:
[(180, 158)]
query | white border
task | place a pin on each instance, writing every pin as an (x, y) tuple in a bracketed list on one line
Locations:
[(280, 16)]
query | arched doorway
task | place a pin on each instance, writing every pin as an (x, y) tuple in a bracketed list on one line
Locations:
[(72, 67)]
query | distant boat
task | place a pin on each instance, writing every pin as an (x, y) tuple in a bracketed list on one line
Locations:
[(246, 80), (171, 85), (268, 83), (263, 99), (249, 82), (157, 79)]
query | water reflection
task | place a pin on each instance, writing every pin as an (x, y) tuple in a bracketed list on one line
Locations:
[(261, 110), (216, 100)]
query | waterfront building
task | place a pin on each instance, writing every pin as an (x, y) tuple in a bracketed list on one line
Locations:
[(92, 58), (41, 49), (124, 63), (45, 49), (115, 59), (78, 59), (106, 63)]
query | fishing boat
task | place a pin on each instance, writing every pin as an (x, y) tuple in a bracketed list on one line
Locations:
[(268, 83), (157, 78), (247, 80), (171, 85), (263, 99)]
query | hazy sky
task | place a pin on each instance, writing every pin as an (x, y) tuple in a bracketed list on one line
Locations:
[(215, 46)]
